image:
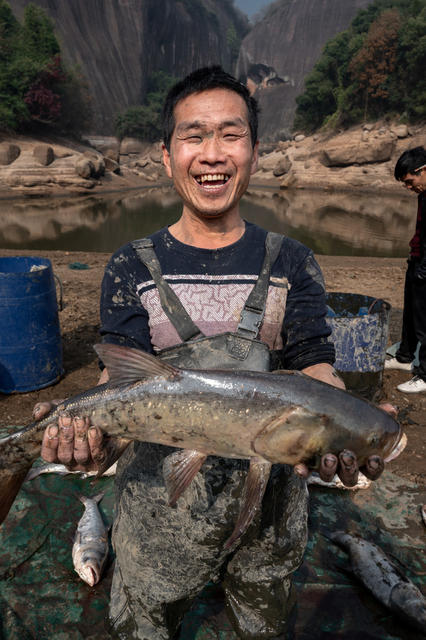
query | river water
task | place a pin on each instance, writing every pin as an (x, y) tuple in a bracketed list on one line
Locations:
[(330, 223)]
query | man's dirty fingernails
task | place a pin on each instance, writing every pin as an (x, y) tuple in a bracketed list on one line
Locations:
[(53, 432)]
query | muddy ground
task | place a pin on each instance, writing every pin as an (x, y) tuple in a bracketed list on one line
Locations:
[(377, 277)]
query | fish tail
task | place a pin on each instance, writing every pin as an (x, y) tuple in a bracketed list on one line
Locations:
[(97, 498)]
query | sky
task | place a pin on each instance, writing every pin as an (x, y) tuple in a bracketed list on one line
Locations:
[(251, 7)]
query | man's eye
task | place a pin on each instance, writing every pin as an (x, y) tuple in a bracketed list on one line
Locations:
[(193, 138), (231, 136)]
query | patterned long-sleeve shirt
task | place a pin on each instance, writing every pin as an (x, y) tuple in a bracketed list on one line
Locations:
[(213, 285)]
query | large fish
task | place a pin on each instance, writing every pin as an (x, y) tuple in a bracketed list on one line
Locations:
[(385, 581), (265, 417)]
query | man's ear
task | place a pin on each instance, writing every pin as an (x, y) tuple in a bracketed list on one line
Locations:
[(255, 158), (166, 161)]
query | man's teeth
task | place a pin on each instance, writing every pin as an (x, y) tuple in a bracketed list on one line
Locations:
[(212, 177)]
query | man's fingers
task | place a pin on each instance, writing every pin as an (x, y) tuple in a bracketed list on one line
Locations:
[(301, 470), (374, 467), (348, 468), (41, 409), (81, 445), (389, 408), (328, 467), (49, 445), (66, 439)]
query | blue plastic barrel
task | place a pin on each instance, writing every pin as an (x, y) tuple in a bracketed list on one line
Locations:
[(360, 329), (30, 338)]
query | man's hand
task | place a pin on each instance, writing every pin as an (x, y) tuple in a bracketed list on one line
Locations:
[(76, 443), (346, 463)]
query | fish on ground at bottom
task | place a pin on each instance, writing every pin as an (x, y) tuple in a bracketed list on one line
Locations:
[(90, 548), (385, 581), (62, 470), (267, 418)]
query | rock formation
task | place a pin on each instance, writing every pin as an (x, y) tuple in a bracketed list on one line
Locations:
[(362, 158), (118, 44), (281, 50)]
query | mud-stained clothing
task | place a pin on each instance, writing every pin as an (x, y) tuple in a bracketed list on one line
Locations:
[(213, 285), (414, 314), (164, 555)]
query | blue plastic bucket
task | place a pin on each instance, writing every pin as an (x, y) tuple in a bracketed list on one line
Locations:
[(30, 338), (360, 329)]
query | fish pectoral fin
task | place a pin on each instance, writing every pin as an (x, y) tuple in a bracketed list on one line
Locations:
[(253, 492), (127, 366), (115, 446), (179, 469)]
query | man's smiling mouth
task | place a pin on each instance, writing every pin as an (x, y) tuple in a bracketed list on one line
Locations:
[(212, 179)]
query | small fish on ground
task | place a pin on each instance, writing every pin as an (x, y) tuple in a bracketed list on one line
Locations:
[(423, 512), (336, 483), (385, 581), (62, 470), (90, 548)]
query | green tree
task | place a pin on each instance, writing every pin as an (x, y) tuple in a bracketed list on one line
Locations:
[(34, 86), (144, 121), (372, 66)]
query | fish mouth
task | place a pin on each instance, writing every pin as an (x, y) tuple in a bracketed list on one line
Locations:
[(398, 448), (211, 180)]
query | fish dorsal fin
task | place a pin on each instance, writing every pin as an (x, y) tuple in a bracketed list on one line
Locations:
[(126, 365)]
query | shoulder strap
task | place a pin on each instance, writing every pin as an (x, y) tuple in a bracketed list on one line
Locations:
[(172, 306), (254, 308)]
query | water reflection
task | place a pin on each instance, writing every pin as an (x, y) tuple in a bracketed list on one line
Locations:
[(330, 223)]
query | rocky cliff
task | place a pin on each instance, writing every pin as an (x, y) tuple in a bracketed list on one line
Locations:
[(282, 49), (118, 44)]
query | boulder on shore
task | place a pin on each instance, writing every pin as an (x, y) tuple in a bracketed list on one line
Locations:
[(8, 153), (44, 154)]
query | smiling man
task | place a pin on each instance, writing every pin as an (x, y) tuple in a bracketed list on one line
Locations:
[(411, 171), (210, 291)]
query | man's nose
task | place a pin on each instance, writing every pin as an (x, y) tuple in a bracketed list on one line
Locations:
[(212, 151)]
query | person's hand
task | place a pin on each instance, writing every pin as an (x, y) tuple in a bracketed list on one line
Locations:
[(346, 463), (75, 443), (78, 444), (346, 467)]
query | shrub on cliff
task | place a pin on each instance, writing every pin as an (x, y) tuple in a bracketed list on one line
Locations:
[(373, 69), (144, 121), (33, 81)]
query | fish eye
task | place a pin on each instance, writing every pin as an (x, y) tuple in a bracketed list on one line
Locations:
[(373, 439)]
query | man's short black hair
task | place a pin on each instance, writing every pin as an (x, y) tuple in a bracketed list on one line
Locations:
[(409, 162), (203, 79)]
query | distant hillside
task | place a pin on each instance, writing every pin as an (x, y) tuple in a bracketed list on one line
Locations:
[(374, 69), (119, 44), (281, 50)]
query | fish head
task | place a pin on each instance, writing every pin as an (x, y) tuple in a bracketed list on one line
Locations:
[(300, 434), (89, 573)]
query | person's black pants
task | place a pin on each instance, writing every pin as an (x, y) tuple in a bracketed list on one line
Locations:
[(413, 321)]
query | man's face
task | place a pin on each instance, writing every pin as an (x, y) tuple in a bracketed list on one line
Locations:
[(211, 156), (415, 181)]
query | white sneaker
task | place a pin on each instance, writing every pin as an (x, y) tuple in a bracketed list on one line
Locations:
[(393, 363), (415, 385)]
